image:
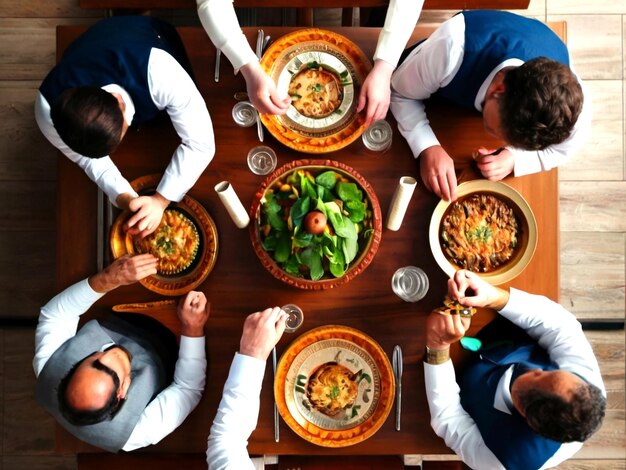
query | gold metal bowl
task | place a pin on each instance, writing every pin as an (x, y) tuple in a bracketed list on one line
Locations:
[(368, 245), (527, 239)]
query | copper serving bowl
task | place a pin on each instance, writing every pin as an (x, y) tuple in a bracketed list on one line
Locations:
[(367, 244), (527, 237), (192, 276)]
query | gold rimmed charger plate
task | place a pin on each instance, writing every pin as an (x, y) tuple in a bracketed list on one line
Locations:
[(190, 278), (527, 238), (289, 54), (352, 349)]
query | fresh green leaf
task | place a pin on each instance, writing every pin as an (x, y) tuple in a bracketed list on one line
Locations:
[(312, 65), (317, 88), (292, 265), (302, 239), (312, 257), (349, 192), (283, 247), (327, 179), (356, 210), (299, 210), (350, 248), (276, 221)]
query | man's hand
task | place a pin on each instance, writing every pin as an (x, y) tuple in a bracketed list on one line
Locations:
[(437, 170), (470, 290), (442, 330), (148, 212), (123, 271), (376, 92), (261, 332), (193, 312), (493, 164), (262, 90)]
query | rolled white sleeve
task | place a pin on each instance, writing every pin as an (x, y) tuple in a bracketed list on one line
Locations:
[(58, 320), (451, 422), (101, 171), (557, 331), (220, 22), (529, 161), (431, 66), (172, 89), (402, 16), (236, 416), (170, 407)]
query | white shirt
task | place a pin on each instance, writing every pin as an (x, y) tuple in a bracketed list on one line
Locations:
[(58, 322), (433, 65), (236, 416), (220, 22), (557, 331), (171, 88)]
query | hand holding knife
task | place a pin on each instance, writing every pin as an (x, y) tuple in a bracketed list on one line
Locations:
[(397, 372)]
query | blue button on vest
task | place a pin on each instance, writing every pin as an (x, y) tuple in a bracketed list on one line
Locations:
[(515, 445), (491, 37)]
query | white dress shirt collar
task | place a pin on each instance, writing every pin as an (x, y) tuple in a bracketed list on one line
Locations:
[(482, 91), (502, 400), (129, 112)]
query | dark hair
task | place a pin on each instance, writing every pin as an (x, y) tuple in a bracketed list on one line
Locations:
[(84, 417), (88, 120), (556, 418), (541, 102)]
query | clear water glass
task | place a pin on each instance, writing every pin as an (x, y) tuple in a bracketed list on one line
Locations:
[(261, 160), (410, 283), (245, 114), (378, 136), (295, 317)]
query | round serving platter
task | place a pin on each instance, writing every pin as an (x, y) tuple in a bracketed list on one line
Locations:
[(358, 353), (185, 281), (333, 52)]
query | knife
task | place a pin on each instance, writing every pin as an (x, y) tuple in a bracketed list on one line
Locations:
[(218, 56), (260, 39), (276, 421), (397, 372)]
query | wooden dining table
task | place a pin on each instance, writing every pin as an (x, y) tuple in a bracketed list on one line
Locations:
[(239, 285)]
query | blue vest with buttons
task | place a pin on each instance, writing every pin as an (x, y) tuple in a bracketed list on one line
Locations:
[(491, 37), (113, 51), (508, 436)]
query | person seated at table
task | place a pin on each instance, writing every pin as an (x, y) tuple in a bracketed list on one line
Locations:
[(220, 22), (238, 411), (121, 72), (119, 383), (529, 397), (515, 71)]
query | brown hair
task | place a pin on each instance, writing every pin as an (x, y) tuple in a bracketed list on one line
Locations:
[(541, 102)]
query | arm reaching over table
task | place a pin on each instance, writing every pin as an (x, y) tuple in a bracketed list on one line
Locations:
[(239, 409)]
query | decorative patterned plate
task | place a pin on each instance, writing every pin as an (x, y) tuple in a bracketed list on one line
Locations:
[(527, 240), (363, 357), (314, 48), (191, 277)]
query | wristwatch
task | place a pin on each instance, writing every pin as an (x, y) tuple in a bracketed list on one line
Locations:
[(436, 356)]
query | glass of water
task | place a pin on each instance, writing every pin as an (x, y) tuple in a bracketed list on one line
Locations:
[(244, 114), (261, 160), (295, 317), (410, 283), (378, 136)]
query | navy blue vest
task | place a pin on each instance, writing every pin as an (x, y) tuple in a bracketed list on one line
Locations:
[(115, 50), (511, 440), (491, 37)]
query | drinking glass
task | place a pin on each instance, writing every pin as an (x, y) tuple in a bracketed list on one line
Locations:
[(295, 317), (244, 114), (378, 136), (410, 283), (261, 160)]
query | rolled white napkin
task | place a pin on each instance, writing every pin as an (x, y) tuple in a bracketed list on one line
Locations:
[(400, 202), (233, 205)]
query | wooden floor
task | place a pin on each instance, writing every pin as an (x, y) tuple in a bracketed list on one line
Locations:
[(592, 219)]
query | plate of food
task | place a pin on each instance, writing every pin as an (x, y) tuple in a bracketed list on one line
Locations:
[(322, 72), (185, 243), (316, 224), (490, 230), (334, 386)]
